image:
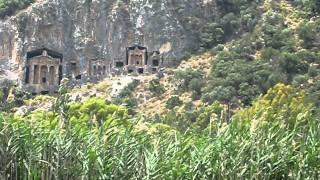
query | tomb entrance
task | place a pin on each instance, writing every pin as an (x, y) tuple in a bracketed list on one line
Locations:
[(137, 56), (155, 58), (119, 64), (138, 60), (97, 68), (155, 62), (42, 70), (73, 69), (140, 70)]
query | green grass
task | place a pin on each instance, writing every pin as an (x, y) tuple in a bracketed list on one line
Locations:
[(34, 150), (254, 145)]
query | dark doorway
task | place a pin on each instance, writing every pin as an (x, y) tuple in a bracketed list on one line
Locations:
[(60, 74), (44, 92), (78, 77), (43, 74), (27, 75), (155, 63), (73, 68), (140, 70), (119, 64), (154, 70), (94, 70), (130, 71)]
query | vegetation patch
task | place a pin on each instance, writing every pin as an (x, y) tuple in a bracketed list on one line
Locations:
[(9, 7), (277, 138)]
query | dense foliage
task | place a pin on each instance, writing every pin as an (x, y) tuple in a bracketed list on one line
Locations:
[(9, 7), (126, 96), (276, 42), (156, 88), (102, 142)]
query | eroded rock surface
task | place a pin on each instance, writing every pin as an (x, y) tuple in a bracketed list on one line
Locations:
[(101, 29)]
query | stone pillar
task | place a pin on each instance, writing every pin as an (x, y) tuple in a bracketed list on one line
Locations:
[(31, 74), (37, 74), (143, 63), (56, 78), (48, 76), (130, 60)]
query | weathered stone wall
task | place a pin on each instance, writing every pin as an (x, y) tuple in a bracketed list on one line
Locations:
[(101, 29)]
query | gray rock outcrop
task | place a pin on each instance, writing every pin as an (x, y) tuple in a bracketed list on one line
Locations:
[(101, 29)]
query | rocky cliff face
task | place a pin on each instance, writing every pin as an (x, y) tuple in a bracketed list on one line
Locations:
[(101, 29)]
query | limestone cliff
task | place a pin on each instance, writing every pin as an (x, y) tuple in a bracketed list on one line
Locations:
[(101, 29)]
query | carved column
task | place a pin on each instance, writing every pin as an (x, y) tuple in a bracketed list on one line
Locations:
[(39, 75), (130, 60), (56, 78), (143, 59), (31, 74), (35, 74), (48, 76)]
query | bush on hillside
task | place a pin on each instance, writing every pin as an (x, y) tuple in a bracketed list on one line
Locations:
[(189, 80), (156, 87), (9, 7), (173, 101)]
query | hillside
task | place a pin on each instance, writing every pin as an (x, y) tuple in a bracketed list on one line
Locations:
[(277, 50), (237, 96)]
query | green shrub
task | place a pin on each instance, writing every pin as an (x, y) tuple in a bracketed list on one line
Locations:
[(188, 79), (173, 101), (9, 7), (39, 100), (211, 114), (1, 96), (156, 87), (313, 71), (308, 31), (211, 34), (127, 96), (102, 86), (94, 111)]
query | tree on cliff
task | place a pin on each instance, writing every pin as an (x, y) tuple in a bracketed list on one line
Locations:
[(9, 7)]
